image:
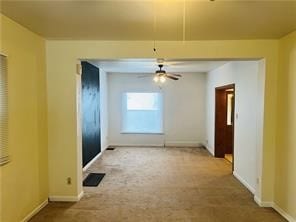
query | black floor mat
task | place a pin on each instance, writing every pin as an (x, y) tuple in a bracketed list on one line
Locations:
[(93, 179)]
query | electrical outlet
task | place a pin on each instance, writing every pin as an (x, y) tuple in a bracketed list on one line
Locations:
[(69, 181)]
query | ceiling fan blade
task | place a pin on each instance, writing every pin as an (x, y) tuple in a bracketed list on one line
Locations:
[(174, 74), (172, 77)]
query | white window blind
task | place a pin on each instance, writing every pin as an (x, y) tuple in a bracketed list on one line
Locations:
[(142, 113), (3, 111)]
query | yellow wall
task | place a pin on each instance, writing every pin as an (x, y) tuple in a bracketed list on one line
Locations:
[(24, 181), (285, 185), (61, 78)]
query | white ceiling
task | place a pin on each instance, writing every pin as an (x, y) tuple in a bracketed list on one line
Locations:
[(150, 65), (134, 19)]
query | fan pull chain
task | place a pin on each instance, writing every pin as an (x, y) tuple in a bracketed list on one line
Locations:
[(184, 21), (154, 27)]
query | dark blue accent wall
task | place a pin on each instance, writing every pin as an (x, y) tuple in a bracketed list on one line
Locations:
[(90, 100)]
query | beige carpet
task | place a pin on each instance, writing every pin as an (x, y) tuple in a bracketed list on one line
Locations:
[(161, 184)]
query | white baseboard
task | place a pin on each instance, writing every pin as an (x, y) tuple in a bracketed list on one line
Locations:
[(275, 207), (66, 198), (35, 211), (248, 186), (92, 161), (208, 149), (283, 213), (137, 145), (80, 195), (167, 144), (262, 203), (183, 144)]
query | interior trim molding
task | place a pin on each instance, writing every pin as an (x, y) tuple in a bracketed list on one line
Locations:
[(167, 144), (80, 195), (273, 205), (66, 198), (136, 145), (208, 149), (92, 161), (262, 203), (283, 213), (248, 186), (183, 144), (35, 211)]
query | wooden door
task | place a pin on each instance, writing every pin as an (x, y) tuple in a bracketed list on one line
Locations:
[(220, 123), (224, 121)]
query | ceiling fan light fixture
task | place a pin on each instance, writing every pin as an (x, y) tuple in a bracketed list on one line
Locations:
[(156, 78), (161, 76), (162, 79)]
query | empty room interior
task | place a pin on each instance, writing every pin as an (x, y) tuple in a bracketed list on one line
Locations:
[(155, 110)]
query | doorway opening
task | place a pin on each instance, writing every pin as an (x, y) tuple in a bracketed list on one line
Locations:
[(224, 122), (248, 70)]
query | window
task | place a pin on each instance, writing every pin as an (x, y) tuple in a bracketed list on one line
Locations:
[(142, 113), (3, 112)]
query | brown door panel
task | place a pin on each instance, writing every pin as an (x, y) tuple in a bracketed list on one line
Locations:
[(224, 133)]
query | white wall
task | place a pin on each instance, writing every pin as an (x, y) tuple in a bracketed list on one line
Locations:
[(245, 77), (184, 111), (104, 109)]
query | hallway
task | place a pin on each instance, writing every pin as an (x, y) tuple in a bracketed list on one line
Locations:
[(161, 184)]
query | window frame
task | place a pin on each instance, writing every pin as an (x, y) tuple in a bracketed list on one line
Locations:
[(124, 109)]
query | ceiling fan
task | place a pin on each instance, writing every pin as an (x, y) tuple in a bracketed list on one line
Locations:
[(161, 75)]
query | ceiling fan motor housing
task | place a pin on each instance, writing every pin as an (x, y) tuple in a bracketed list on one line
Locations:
[(160, 71), (162, 74)]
